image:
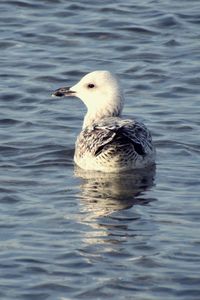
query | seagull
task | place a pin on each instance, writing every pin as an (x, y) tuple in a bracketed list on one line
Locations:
[(107, 142)]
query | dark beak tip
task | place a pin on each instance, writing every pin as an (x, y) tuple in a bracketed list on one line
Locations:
[(57, 94), (63, 92)]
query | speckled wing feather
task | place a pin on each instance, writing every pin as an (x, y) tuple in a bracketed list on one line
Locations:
[(114, 130)]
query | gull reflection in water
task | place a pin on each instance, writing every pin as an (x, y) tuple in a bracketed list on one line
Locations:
[(101, 194)]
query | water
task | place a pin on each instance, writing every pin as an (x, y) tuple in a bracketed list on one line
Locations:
[(67, 234)]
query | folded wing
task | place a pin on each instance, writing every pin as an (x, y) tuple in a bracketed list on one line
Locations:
[(121, 133)]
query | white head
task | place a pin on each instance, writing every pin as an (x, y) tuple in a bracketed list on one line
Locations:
[(100, 92)]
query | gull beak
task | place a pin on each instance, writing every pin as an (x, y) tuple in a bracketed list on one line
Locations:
[(64, 91)]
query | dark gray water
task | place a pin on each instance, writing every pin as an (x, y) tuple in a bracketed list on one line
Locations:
[(67, 234)]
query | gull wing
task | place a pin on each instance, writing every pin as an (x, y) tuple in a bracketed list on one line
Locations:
[(115, 131)]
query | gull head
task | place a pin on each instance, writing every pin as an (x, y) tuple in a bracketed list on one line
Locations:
[(100, 92)]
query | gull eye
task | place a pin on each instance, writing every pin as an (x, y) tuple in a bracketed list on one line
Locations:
[(91, 86)]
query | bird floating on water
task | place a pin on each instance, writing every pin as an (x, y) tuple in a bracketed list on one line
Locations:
[(107, 142)]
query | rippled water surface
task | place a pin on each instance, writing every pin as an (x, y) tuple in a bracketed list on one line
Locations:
[(69, 234)]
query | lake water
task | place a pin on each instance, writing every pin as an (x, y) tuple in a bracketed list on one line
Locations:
[(70, 234)]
